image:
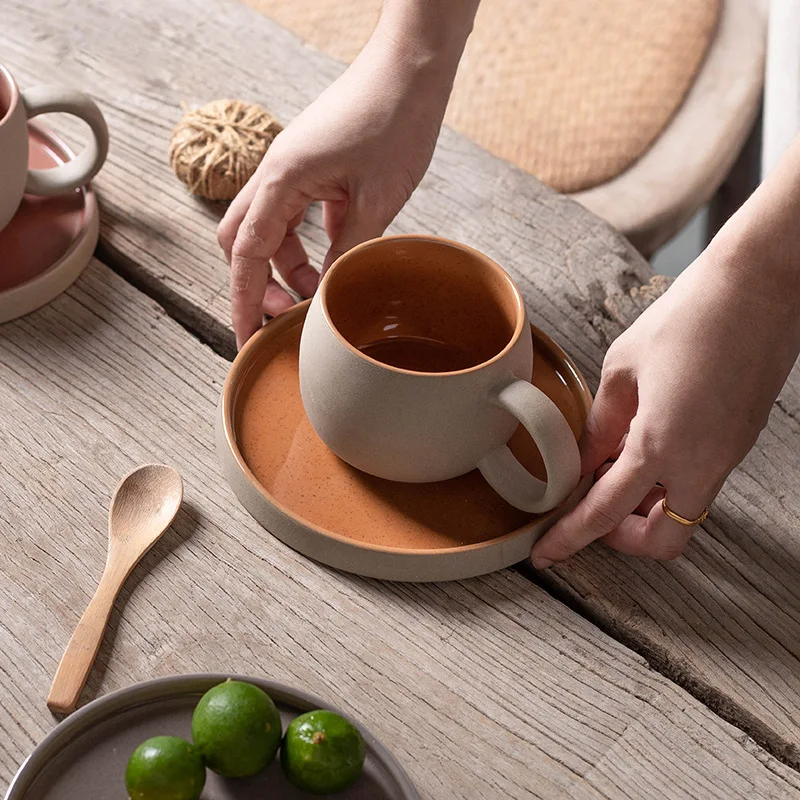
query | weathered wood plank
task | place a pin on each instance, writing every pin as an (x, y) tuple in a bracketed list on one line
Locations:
[(724, 620), (487, 688), (167, 239)]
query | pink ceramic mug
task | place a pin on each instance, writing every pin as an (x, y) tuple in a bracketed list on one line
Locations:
[(16, 108)]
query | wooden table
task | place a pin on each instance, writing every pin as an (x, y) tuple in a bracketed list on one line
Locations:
[(604, 677)]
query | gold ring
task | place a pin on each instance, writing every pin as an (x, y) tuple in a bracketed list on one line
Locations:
[(683, 521)]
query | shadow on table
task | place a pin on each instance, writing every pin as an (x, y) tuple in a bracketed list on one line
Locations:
[(505, 598), (213, 208), (755, 585), (733, 599)]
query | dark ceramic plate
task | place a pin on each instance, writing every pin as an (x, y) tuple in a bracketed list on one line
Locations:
[(85, 756)]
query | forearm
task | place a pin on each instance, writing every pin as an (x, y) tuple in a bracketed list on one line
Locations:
[(428, 29), (752, 268), (424, 38)]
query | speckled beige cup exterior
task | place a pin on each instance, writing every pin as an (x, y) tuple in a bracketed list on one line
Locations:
[(423, 427)]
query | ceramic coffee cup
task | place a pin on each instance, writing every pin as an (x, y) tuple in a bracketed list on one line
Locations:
[(16, 108), (415, 365)]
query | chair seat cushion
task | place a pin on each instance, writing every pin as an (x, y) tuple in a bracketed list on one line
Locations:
[(573, 91)]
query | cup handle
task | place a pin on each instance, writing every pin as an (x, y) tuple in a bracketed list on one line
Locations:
[(555, 440), (80, 170)]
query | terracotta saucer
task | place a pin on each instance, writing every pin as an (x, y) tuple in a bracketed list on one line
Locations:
[(306, 496), (50, 240)]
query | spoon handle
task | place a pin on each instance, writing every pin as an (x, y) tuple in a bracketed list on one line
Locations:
[(82, 648)]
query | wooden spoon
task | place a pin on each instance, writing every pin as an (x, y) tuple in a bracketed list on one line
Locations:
[(143, 507)]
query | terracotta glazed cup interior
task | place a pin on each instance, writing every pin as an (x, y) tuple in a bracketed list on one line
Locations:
[(422, 306)]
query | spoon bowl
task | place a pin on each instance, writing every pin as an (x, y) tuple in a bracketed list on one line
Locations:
[(144, 506)]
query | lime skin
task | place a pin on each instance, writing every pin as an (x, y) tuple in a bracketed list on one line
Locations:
[(237, 729), (165, 768), (322, 752)]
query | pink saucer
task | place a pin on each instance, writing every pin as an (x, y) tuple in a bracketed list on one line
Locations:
[(50, 240)]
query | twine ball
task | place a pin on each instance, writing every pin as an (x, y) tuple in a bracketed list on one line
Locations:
[(216, 148)]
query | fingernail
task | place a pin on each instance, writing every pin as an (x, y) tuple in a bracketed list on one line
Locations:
[(542, 563)]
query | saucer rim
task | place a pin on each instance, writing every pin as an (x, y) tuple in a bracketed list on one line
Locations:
[(228, 449), (25, 298)]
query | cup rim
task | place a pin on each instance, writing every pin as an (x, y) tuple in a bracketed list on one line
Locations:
[(9, 79), (471, 251)]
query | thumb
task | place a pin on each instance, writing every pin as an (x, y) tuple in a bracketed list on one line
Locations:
[(356, 227), (609, 418)]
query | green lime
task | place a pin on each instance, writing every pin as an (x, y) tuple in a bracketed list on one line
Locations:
[(322, 752), (165, 768), (237, 729)]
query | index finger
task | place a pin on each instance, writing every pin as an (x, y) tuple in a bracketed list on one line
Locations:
[(258, 238)]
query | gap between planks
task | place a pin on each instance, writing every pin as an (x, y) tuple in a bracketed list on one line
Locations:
[(659, 661), (201, 325)]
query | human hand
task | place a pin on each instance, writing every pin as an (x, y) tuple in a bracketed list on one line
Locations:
[(362, 147), (684, 394)]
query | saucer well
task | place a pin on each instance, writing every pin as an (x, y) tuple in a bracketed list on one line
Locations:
[(308, 498), (50, 240)]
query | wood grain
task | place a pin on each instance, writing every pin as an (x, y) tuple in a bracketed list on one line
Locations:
[(487, 688), (724, 620)]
